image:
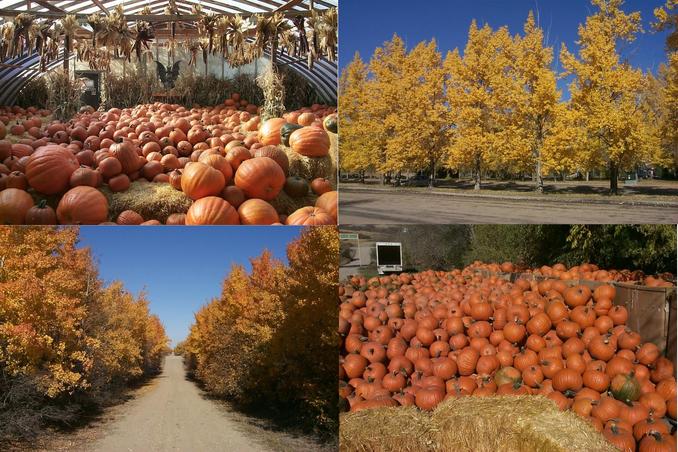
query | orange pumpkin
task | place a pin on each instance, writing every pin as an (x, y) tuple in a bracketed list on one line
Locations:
[(211, 210), (82, 205), (257, 211), (199, 180), (310, 142), (328, 202), (260, 177), (49, 169), (310, 216), (14, 204), (269, 133)]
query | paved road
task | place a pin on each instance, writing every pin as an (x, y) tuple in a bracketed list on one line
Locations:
[(173, 416), (408, 208)]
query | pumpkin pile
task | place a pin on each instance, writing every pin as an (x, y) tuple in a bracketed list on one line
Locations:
[(419, 339), (588, 272), (231, 167)]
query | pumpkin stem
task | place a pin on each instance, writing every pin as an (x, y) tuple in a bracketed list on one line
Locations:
[(42, 204)]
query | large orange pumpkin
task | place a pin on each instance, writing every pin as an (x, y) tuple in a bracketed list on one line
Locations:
[(14, 204), (82, 205), (328, 202), (211, 210), (310, 216), (269, 133), (218, 162), (257, 211), (49, 169), (310, 142), (260, 177), (127, 154), (200, 180)]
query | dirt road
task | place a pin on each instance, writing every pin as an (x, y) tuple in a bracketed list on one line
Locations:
[(365, 207), (172, 415)]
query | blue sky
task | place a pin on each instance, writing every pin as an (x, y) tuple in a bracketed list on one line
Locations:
[(365, 25), (181, 268)]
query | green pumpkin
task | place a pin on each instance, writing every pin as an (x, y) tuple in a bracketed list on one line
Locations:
[(330, 123), (625, 388), (285, 132)]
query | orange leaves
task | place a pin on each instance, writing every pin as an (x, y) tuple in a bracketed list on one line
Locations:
[(60, 331), (270, 335)]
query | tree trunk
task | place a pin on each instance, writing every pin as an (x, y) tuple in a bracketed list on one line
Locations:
[(362, 176), (540, 180), (432, 178), (614, 173), (588, 176), (476, 186)]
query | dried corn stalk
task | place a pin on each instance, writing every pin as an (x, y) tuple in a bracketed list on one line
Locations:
[(272, 84)]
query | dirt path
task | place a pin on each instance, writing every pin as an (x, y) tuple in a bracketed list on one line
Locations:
[(366, 207), (173, 416)]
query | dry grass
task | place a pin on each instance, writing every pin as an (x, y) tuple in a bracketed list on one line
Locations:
[(285, 205), (404, 429), (153, 201), (473, 424), (312, 167)]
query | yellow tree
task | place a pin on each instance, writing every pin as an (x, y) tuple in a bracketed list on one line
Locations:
[(480, 93), (537, 102), (419, 118), (606, 92), (354, 148), (385, 91), (667, 19)]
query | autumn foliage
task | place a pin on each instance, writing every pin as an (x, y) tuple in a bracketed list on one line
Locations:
[(494, 107), (67, 341), (268, 340)]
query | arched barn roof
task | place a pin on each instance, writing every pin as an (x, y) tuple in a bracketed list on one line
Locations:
[(15, 73)]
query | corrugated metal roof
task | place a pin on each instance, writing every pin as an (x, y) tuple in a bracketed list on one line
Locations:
[(323, 76)]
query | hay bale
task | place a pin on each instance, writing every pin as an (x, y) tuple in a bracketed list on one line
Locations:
[(312, 167), (401, 429), (284, 204), (512, 423), (153, 201)]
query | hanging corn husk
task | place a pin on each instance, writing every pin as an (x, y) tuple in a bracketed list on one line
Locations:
[(143, 35), (327, 32), (6, 36), (220, 31), (20, 38), (313, 32), (69, 24), (98, 59), (207, 24), (98, 24), (288, 42), (41, 43), (172, 10), (237, 31), (302, 48), (146, 11), (204, 44), (192, 47), (117, 34), (33, 32)]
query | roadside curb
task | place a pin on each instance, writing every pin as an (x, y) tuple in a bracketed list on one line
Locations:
[(631, 203)]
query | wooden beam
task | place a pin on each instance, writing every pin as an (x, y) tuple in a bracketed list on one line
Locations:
[(132, 17), (101, 6), (49, 6), (290, 4)]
